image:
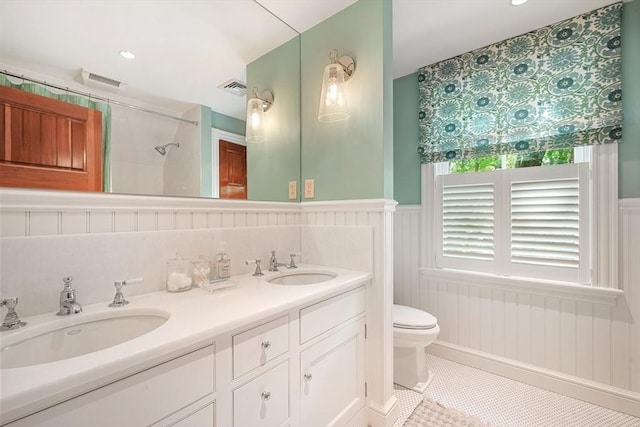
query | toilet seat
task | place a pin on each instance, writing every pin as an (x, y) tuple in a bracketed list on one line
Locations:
[(411, 318)]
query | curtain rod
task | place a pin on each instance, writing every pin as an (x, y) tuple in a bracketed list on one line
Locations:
[(100, 98)]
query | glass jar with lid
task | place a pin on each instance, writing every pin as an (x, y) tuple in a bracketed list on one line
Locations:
[(179, 274), (201, 271)]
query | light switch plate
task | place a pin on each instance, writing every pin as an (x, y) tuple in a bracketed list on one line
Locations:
[(293, 190), (309, 188)]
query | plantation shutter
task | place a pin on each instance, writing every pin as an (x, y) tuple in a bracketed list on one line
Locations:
[(547, 238), (545, 222), (529, 222), (468, 222)]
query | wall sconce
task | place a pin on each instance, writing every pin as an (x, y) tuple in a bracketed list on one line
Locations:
[(256, 107), (333, 101)]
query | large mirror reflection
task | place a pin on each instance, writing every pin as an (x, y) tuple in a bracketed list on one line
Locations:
[(196, 65)]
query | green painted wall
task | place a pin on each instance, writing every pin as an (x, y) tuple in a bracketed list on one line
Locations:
[(351, 159), (629, 149), (405, 126), (227, 123), (272, 164), (406, 180)]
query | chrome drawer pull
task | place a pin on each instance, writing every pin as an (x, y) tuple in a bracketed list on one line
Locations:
[(266, 395), (308, 376), (266, 344)]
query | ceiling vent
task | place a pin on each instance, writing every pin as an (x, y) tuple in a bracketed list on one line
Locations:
[(96, 80), (234, 86)]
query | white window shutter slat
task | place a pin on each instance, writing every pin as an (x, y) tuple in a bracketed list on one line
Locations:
[(468, 221)]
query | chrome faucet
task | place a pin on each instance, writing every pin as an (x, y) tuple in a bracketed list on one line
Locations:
[(273, 262), (11, 320), (68, 303)]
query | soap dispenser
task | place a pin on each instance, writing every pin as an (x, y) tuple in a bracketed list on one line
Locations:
[(223, 263)]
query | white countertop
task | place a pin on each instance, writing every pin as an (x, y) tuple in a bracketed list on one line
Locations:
[(196, 317)]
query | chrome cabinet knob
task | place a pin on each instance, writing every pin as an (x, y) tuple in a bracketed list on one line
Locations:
[(308, 376), (266, 395), (266, 344)]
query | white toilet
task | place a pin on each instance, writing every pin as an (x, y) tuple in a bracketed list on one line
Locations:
[(413, 330)]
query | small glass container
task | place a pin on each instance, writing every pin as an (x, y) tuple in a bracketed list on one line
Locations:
[(179, 274), (201, 271)]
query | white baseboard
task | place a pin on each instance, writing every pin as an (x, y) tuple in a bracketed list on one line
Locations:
[(383, 415), (589, 391)]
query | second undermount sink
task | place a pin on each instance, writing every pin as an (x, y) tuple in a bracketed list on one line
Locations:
[(75, 336), (302, 277)]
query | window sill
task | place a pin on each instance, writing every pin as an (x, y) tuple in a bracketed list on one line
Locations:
[(549, 288)]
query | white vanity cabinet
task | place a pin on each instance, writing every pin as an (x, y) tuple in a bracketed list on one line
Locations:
[(164, 395), (302, 366)]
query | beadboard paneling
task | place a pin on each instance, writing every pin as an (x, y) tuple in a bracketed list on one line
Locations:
[(406, 250), (590, 340), (25, 213), (377, 214), (100, 238)]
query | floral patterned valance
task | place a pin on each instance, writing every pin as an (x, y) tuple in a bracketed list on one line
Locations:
[(556, 87)]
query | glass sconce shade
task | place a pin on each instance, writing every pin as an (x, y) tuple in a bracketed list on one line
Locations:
[(333, 102), (255, 131)]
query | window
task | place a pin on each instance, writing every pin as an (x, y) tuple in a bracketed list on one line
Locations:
[(513, 219)]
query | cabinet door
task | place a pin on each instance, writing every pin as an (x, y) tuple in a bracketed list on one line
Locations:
[(332, 378)]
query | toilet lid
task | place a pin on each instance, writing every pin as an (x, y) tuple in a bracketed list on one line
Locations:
[(412, 318)]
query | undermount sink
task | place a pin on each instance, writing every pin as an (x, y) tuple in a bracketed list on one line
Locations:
[(75, 336), (304, 277)]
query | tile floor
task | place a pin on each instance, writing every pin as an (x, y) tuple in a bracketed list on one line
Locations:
[(505, 402)]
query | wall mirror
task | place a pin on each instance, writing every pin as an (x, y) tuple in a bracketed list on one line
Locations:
[(186, 52)]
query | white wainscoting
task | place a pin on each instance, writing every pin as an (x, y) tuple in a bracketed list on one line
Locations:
[(100, 238), (596, 342), (377, 214), (25, 213)]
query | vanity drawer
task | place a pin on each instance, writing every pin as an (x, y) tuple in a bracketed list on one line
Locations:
[(257, 346), (321, 317), (263, 401), (139, 400)]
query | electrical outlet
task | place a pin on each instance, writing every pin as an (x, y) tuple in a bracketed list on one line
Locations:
[(309, 188), (293, 190)]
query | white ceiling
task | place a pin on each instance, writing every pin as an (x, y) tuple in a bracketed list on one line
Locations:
[(428, 31), (186, 48)]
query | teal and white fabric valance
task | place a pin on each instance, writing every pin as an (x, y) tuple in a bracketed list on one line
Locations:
[(557, 87)]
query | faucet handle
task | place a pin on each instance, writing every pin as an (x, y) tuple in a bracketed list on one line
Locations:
[(292, 262), (67, 282), (118, 299), (258, 271), (11, 320)]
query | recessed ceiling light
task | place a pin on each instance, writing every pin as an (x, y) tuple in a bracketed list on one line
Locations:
[(127, 54), (518, 2)]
